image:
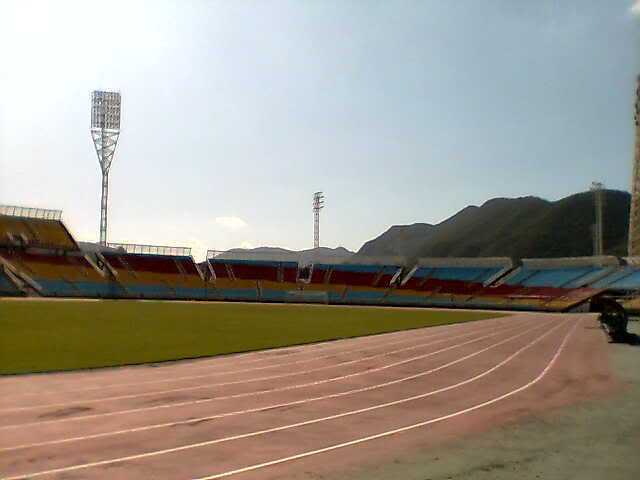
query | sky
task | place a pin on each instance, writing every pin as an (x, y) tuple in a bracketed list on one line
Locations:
[(234, 112)]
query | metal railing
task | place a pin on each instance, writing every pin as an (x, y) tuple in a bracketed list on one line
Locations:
[(152, 249), (29, 212)]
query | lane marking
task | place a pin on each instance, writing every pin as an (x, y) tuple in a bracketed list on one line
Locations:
[(235, 382), (269, 407), (397, 430), (295, 425), (259, 392)]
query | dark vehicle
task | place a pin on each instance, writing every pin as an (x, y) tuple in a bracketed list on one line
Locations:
[(613, 318)]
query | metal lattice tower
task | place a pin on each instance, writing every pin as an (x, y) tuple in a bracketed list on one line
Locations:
[(634, 217), (105, 130), (598, 246), (318, 204)]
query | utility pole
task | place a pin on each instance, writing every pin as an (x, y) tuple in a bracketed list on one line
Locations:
[(634, 216), (597, 189)]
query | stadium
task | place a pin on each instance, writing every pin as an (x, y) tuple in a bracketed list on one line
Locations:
[(40, 257), (266, 394), (149, 361)]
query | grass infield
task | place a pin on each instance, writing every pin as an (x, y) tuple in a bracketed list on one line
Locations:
[(40, 336)]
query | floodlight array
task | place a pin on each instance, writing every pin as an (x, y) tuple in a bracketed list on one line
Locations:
[(105, 110)]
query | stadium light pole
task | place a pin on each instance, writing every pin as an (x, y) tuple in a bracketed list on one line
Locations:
[(598, 246), (318, 204), (105, 130)]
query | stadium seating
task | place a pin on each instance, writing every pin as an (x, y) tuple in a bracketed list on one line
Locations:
[(571, 298), (253, 280), (354, 274), (464, 274), (455, 280), (7, 287), (320, 273), (448, 281), (157, 276), (289, 272), (387, 274), (627, 278), (41, 257), (546, 284), (364, 295), (282, 289), (359, 284), (62, 275), (556, 277), (35, 232)]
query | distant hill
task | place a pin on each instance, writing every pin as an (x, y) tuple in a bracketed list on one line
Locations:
[(526, 227), (94, 247), (322, 254)]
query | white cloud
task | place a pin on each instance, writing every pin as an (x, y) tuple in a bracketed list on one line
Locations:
[(198, 249), (246, 244), (231, 223), (635, 8)]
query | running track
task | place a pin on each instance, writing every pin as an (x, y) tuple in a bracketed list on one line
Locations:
[(283, 413)]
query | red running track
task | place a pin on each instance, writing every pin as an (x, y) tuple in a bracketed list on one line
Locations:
[(279, 413)]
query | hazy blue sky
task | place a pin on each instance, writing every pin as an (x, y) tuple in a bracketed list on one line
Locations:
[(235, 112)]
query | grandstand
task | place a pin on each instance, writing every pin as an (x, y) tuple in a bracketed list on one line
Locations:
[(146, 275), (256, 280), (39, 257), (60, 275), (34, 227)]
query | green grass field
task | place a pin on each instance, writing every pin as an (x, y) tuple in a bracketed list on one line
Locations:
[(40, 336)]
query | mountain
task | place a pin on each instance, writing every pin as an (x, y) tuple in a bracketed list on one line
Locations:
[(94, 247), (321, 254), (526, 227)]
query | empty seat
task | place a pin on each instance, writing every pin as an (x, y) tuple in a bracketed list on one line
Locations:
[(35, 232), (157, 276), (61, 275), (354, 274), (554, 277)]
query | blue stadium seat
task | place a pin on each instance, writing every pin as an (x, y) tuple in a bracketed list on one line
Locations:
[(554, 277), (630, 281), (57, 288), (405, 300), (465, 274), (244, 294), (7, 287), (611, 280), (364, 296)]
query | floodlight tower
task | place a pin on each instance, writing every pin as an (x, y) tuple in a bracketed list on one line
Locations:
[(597, 189), (318, 204), (105, 130)]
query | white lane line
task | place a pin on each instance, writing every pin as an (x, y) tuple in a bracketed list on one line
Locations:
[(261, 392), (277, 429), (278, 405), (325, 347), (230, 372), (235, 382), (397, 430)]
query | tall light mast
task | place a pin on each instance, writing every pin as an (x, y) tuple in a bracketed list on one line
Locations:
[(598, 247), (105, 130), (318, 204), (634, 216)]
